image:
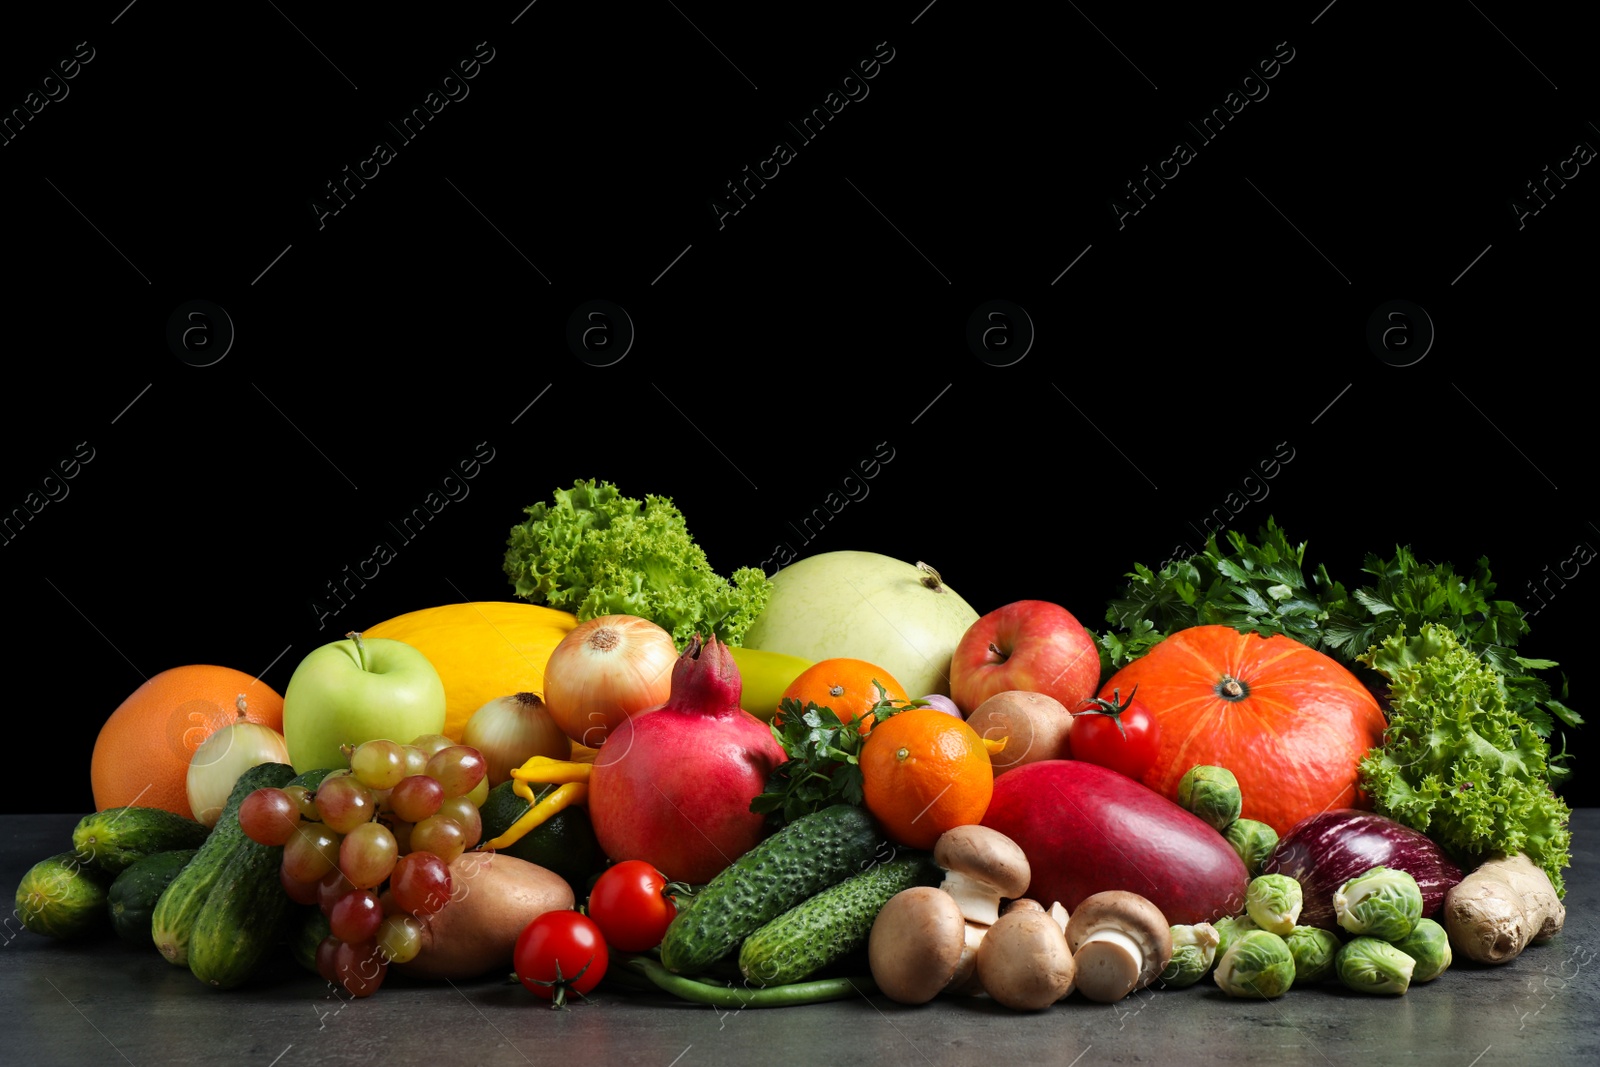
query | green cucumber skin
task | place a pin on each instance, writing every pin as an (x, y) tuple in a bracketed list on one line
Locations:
[(115, 839), (799, 861), (173, 920), (242, 919), (829, 926), (133, 895)]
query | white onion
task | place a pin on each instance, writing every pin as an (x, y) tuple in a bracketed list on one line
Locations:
[(511, 730), (221, 758), (605, 670)]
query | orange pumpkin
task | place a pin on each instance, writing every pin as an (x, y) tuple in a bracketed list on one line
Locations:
[(1288, 721)]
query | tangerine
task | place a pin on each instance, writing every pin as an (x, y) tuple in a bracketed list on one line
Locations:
[(924, 772), (845, 685), (142, 753)]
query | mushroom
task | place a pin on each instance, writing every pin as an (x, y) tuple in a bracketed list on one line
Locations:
[(965, 983), (1021, 904), (1120, 942), (1024, 962), (916, 944), (982, 866)]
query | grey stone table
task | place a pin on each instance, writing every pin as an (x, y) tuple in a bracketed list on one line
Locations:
[(107, 1003)]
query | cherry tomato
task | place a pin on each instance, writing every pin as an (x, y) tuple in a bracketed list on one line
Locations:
[(630, 904), (1118, 734), (560, 951)]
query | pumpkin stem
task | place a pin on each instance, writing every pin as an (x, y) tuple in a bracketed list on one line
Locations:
[(1232, 689)]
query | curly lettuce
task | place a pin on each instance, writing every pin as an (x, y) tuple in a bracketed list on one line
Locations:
[(1457, 762), (596, 552)]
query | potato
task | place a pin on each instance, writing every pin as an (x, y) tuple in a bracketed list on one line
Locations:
[(1036, 727), (493, 897)]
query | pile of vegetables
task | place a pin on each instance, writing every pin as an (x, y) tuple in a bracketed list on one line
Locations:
[(1465, 756), (596, 552)]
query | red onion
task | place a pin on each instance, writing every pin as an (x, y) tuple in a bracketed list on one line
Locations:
[(1325, 850)]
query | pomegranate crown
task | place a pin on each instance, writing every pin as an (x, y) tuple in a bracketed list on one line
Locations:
[(706, 676)]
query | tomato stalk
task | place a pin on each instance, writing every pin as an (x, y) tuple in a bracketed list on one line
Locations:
[(1111, 709)]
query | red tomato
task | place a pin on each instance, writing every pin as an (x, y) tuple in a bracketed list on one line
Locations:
[(630, 904), (558, 951), (1119, 734)]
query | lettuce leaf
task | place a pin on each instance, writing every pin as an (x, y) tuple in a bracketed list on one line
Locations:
[(596, 552), (1457, 762)]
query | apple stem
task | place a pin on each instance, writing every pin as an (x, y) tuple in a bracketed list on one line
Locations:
[(361, 649), (1000, 657)]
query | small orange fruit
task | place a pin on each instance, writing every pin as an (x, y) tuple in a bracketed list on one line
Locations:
[(141, 756), (924, 772), (845, 685)]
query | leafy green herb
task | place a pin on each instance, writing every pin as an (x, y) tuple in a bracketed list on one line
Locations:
[(1263, 586), (596, 552), (1458, 762), (824, 764)]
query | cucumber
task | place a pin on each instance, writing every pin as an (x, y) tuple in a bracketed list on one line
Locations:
[(829, 926), (306, 935), (63, 897), (311, 779), (799, 861), (116, 838), (179, 906), (243, 918), (133, 895)]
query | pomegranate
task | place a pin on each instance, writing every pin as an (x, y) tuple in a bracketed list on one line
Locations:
[(673, 787)]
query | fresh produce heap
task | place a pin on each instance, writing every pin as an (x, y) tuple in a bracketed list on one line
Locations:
[(844, 780), (1465, 756)]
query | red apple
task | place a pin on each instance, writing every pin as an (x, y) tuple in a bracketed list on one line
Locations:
[(1030, 645)]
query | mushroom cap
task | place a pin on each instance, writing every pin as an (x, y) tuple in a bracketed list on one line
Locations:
[(916, 944), (1131, 915), (1022, 904), (1024, 962), (985, 855)]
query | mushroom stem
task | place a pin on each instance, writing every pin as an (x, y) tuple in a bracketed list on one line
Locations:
[(1122, 941), (978, 900)]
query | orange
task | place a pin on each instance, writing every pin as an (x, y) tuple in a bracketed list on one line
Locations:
[(845, 685), (141, 756), (924, 772)]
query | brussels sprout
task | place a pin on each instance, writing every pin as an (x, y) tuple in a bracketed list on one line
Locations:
[(1313, 949), (1253, 841), (1211, 793), (1369, 965), (1429, 945), (1383, 903), (1193, 950), (1258, 963), (1273, 901), (1230, 928)]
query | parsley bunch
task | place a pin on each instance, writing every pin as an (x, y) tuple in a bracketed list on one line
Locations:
[(824, 764)]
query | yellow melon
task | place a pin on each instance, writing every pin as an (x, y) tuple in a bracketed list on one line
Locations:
[(482, 650)]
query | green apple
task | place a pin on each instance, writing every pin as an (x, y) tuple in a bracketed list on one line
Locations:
[(356, 690)]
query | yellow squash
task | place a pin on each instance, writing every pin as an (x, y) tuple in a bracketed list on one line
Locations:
[(482, 650)]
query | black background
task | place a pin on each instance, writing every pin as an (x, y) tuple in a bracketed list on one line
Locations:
[(776, 351)]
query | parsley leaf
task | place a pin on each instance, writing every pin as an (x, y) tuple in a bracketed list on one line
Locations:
[(824, 764)]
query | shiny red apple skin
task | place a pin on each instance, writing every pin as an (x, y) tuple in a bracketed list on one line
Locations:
[(1032, 645)]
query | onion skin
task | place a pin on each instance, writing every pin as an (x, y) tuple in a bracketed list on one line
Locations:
[(1325, 850)]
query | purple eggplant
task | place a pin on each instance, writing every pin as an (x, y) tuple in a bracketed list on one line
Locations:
[(1325, 850)]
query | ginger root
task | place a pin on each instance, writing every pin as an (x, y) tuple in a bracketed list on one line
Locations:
[(1501, 908)]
